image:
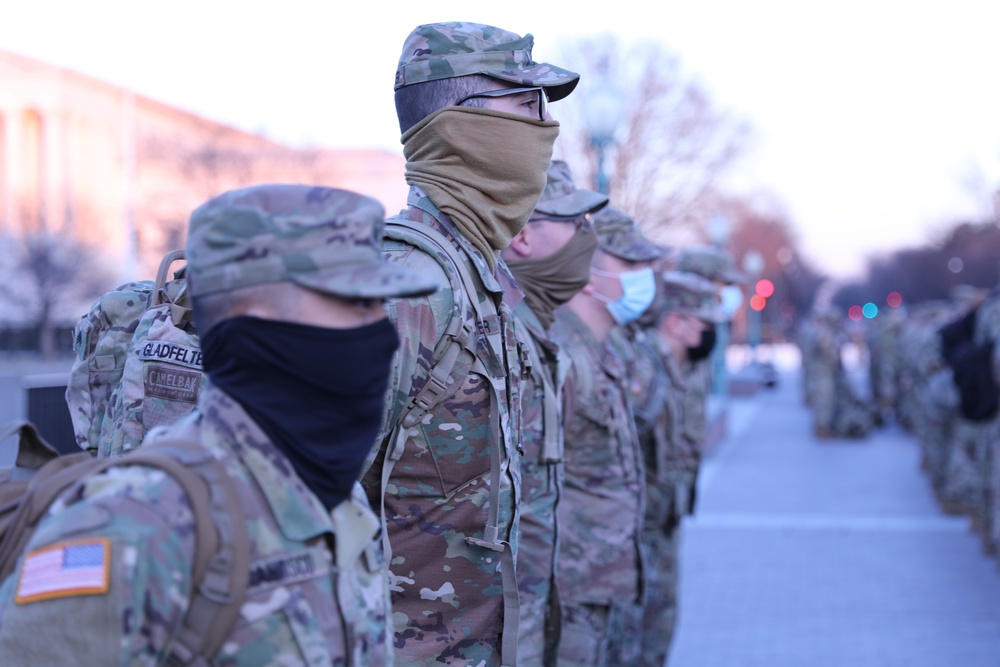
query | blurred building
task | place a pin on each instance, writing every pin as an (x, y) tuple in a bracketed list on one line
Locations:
[(89, 160)]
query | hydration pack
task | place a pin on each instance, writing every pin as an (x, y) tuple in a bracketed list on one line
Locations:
[(138, 363)]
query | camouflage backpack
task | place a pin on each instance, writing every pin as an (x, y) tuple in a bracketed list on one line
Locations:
[(221, 563), (138, 363)]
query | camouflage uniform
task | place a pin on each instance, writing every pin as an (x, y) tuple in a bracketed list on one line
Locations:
[(446, 473), (601, 554), (318, 590), (302, 615), (976, 430), (671, 457), (542, 438), (837, 411), (718, 267), (600, 510)]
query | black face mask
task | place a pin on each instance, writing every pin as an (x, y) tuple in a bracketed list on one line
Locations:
[(705, 347), (318, 393)]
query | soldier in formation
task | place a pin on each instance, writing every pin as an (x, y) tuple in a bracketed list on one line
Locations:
[(478, 141), (938, 375), (601, 556), (658, 349), (550, 258), (838, 410), (288, 284)]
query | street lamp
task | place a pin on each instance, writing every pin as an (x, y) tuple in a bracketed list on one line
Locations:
[(719, 230), (604, 111), (753, 264)]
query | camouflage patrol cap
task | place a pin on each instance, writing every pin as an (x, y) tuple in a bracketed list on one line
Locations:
[(447, 50), (690, 293), (618, 235), (321, 238), (561, 197), (710, 262)]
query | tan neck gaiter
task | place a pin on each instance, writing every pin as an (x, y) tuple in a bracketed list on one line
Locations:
[(550, 282), (485, 169)]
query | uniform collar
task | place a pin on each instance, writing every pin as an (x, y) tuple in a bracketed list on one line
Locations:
[(225, 425)]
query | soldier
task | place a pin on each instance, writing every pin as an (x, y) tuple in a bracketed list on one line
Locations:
[(686, 305), (550, 258), (601, 508), (287, 284), (478, 141), (717, 266), (968, 353), (837, 410)]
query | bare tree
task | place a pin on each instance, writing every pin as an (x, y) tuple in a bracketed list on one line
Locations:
[(673, 146), (762, 224), (51, 279)]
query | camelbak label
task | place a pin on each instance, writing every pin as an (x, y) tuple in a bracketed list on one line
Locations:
[(171, 353), (171, 383)]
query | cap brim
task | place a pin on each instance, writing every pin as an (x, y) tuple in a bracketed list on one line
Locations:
[(638, 249), (373, 281), (735, 278), (577, 203), (557, 82), (712, 315)]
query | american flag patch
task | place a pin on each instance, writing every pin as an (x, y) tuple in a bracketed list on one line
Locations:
[(80, 567)]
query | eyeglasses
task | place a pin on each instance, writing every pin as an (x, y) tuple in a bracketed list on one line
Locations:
[(579, 222), (542, 98)]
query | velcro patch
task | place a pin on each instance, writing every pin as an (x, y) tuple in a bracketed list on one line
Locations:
[(65, 569), (289, 568), (182, 355), (171, 383)]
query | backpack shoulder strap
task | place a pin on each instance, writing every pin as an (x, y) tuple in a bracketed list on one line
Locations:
[(24, 499), (222, 547), (459, 333)]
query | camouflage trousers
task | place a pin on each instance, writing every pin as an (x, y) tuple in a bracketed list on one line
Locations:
[(852, 418), (660, 611), (540, 620), (600, 635), (823, 398), (968, 469), (934, 437), (993, 526)]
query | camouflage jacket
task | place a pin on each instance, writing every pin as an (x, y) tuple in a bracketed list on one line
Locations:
[(541, 485), (305, 605), (448, 574), (601, 507), (694, 429), (656, 392)]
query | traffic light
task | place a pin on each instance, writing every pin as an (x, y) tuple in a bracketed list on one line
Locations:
[(765, 288)]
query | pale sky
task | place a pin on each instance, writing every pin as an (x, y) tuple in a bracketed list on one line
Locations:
[(870, 115)]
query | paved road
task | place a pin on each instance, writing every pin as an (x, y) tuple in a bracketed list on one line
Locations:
[(807, 553)]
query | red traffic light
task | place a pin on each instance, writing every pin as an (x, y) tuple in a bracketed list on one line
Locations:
[(765, 288)]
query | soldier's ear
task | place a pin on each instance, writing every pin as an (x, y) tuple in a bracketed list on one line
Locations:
[(520, 246)]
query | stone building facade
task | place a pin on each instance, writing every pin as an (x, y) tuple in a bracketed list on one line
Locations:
[(91, 161)]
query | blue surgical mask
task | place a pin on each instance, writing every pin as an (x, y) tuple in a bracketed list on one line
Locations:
[(638, 292)]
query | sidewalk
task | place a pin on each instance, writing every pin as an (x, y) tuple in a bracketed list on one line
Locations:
[(807, 553)]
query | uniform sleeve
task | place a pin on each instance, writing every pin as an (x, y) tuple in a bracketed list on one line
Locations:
[(105, 578)]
